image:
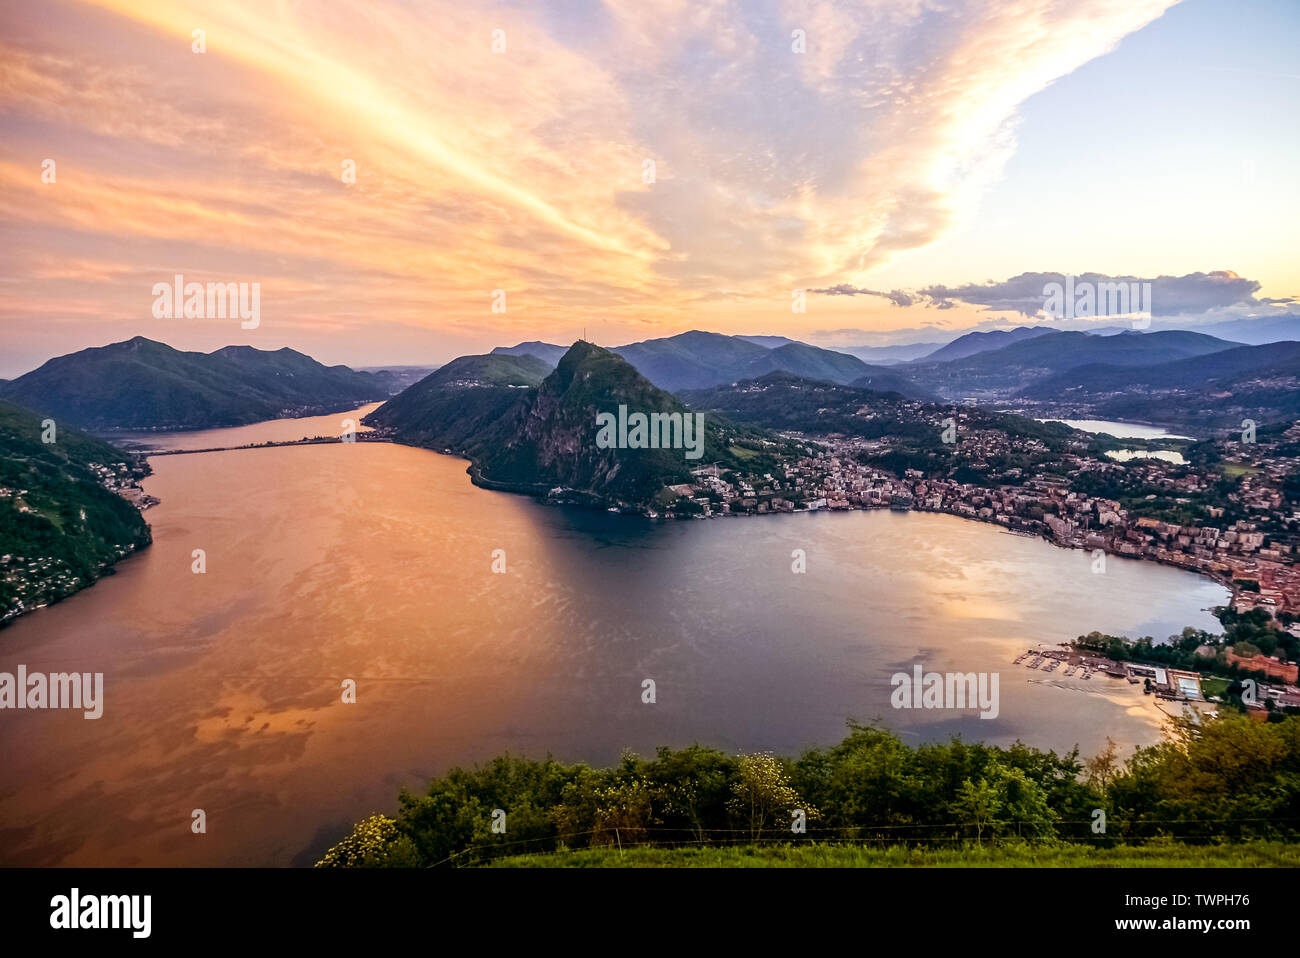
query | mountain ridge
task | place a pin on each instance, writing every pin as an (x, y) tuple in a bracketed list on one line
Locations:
[(144, 384)]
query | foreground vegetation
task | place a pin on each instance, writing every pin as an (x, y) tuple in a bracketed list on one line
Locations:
[(1231, 780)]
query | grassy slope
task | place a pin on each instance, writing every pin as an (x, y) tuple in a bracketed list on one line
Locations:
[(1250, 854)]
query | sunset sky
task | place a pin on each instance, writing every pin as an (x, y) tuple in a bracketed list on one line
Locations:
[(915, 146)]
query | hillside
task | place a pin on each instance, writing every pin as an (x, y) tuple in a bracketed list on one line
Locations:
[(809, 362), (898, 433), (142, 384), (692, 360), (784, 401), (452, 407), (60, 528), (1213, 391)]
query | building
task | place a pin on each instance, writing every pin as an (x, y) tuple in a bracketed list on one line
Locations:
[(1270, 665)]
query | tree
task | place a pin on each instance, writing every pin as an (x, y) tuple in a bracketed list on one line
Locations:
[(977, 804), (375, 842), (763, 794), (1100, 770)]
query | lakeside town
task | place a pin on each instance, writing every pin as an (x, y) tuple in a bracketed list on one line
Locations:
[(34, 582)]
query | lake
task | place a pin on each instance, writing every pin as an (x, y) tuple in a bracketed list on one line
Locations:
[(273, 430), (1125, 455), (1120, 430), (373, 562)]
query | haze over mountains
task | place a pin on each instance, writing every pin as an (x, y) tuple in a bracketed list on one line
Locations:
[(698, 359)]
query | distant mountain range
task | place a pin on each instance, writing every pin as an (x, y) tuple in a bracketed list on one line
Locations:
[(697, 360), (143, 384), (888, 355), (1255, 331), (547, 352), (1215, 390), (999, 373), (973, 343), (55, 512)]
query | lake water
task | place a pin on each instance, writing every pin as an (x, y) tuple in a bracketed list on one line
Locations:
[(274, 430), (1120, 430), (1124, 455), (372, 562)]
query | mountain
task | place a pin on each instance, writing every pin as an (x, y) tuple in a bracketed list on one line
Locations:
[(397, 378), (1002, 372), (550, 440), (60, 527), (452, 407), (770, 342), (810, 362), (142, 384), (699, 359), (1256, 331), (526, 433), (692, 360), (885, 355), (1211, 391), (549, 353), (973, 343)]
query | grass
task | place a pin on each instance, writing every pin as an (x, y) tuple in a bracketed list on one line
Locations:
[(1211, 686), (1234, 470), (813, 855)]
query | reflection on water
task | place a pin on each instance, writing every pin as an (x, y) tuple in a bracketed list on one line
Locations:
[(273, 430), (373, 562)]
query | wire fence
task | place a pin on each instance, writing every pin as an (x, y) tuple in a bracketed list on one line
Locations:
[(883, 836)]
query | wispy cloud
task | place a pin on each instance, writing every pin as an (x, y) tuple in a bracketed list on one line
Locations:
[(520, 170)]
